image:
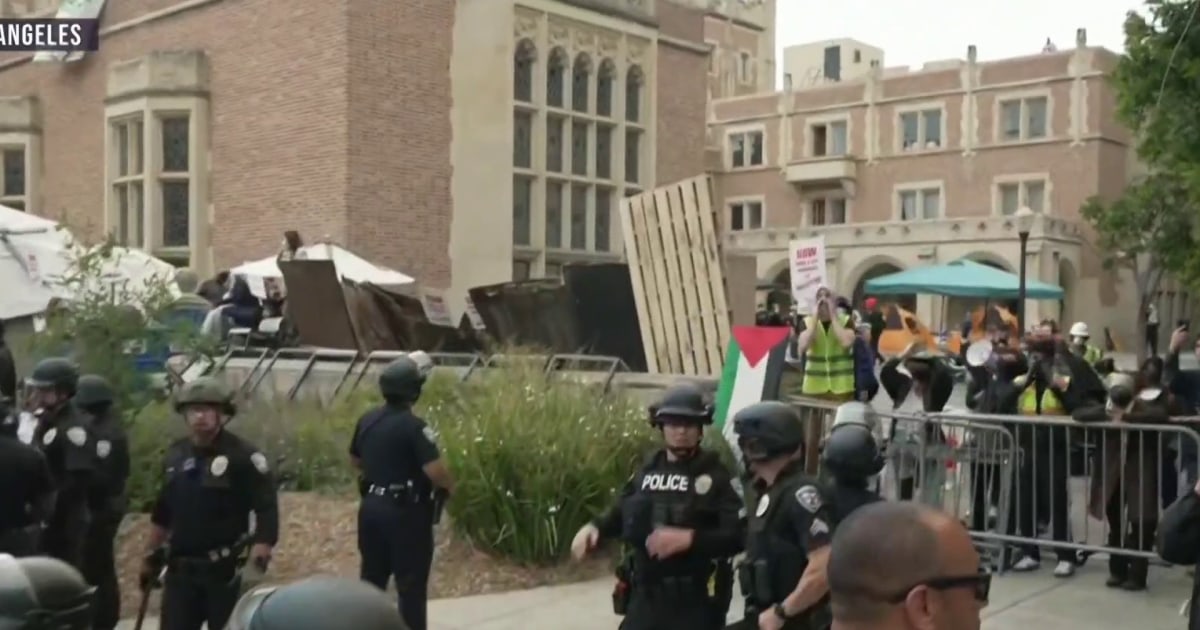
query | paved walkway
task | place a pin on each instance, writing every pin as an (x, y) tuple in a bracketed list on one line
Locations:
[(1019, 602)]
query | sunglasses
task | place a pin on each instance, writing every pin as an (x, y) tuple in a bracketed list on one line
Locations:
[(980, 583)]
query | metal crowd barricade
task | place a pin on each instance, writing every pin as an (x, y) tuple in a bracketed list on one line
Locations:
[(1081, 488)]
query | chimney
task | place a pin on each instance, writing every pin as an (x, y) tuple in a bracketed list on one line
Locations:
[(1081, 38), (972, 54)]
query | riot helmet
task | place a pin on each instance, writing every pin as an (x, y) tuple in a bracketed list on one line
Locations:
[(317, 603), (53, 382), (682, 406), (94, 393), (206, 391), (401, 381), (42, 593), (858, 413), (767, 430), (851, 454)]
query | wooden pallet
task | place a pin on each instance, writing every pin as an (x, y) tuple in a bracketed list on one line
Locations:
[(675, 263)]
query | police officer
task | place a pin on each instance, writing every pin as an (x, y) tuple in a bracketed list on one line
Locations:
[(852, 457), (787, 547), (317, 603), (65, 436), (213, 481), (43, 593), (402, 479), (107, 500), (679, 517), (26, 489)]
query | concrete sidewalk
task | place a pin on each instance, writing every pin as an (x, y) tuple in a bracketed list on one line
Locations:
[(1019, 602)]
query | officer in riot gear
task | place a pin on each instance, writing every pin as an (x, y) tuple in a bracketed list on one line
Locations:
[(26, 489), (852, 456), (65, 436), (213, 480), (679, 519), (403, 479), (317, 603), (41, 593), (790, 528), (107, 500)]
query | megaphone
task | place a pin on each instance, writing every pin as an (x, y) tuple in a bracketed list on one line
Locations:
[(979, 352)]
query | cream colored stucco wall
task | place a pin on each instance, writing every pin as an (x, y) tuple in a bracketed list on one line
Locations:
[(805, 63)]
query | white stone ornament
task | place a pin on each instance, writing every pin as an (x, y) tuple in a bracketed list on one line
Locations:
[(77, 436), (260, 463), (809, 498), (48, 439), (763, 504), (219, 465), (703, 484), (103, 448), (430, 434)]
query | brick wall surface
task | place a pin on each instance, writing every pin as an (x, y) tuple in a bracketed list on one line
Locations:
[(682, 96)]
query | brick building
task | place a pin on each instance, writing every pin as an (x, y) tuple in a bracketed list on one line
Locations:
[(899, 168), (421, 134)]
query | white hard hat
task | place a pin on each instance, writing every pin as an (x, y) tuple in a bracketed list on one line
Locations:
[(1080, 329)]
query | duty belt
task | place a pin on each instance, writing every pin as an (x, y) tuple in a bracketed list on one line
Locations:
[(402, 492), (221, 557), (672, 587)]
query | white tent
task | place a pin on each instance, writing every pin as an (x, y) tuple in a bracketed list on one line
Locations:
[(36, 253), (349, 267)]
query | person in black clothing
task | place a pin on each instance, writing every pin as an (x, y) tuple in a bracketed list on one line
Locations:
[(852, 456), (926, 374), (8, 369), (1179, 543), (214, 481), (214, 288), (787, 547), (107, 501), (1184, 385), (403, 479), (678, 517), (65, 436), (26, 490)]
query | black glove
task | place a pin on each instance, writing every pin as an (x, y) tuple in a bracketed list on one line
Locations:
[(151, 569)]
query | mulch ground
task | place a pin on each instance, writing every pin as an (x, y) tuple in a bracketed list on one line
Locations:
[(318, 537)]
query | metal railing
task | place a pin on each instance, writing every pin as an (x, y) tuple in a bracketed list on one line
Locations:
[(1024, 483)]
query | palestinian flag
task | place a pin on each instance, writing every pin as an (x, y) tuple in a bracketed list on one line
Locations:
[(753, 371)]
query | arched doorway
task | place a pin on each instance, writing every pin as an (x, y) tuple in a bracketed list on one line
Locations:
[(907, 302), (1067, 277)]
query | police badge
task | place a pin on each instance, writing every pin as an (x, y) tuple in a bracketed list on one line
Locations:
[(219, 465), (103, 448), (703, 484)]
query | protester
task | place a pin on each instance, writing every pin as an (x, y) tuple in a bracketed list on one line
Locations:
[(878, 324), (1185, 386), (1152, 329), (923, 574), (214, 288)]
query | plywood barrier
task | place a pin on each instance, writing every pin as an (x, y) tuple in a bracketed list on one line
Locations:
[(675, 264)]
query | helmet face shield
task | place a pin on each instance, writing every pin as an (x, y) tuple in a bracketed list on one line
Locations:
[(243, 613)]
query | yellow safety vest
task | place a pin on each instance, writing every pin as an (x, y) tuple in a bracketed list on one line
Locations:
[(1092, 354), (828, 367), (1051, 406)]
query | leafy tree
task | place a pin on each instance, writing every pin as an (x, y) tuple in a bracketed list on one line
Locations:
[(106, 323), (1147, 231), (1156, 86)]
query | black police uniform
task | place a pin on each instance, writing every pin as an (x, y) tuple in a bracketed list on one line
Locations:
[(65, 437), (396, 515), (39, 593), (318, 603), (26, 492), (205, 503), (107, 499), (693, 588)]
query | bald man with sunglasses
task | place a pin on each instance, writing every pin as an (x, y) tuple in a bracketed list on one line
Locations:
[(924, 575)]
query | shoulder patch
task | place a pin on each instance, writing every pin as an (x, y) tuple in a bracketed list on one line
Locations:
[(763, 504), (77, 436), (818, 527), (49, 437), (430, 434), (103, 448), (260, 462), (703, 484), (809, 498)]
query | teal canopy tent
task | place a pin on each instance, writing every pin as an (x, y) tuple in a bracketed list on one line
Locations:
[(961, 278)]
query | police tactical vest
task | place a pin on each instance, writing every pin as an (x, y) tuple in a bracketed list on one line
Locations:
[(773, 542), (828, 367), (670, 494)]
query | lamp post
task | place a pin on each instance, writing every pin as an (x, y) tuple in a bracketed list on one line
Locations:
[(1024, 218)]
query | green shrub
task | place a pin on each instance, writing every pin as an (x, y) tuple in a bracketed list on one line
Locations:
[(534, 460)]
